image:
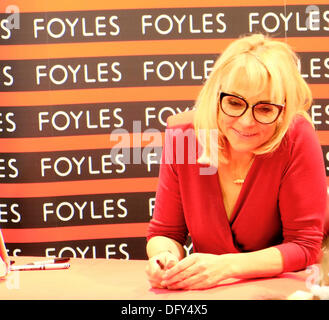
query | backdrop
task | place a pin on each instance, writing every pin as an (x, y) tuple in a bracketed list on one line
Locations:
[(86, 87)]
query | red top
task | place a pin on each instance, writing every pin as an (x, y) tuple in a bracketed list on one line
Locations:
[(282, 202)]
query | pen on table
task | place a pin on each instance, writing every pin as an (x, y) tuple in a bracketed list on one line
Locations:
[(55, 260), (30, 267)]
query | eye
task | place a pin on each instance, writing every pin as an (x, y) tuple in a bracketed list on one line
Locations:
[(235, 102), (264, 108)]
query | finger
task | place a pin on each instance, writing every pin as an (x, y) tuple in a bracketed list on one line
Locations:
[(154, 265), (201, 281), (182, 277), (154, 274), (170, 261), (170, 264), (155, 281), (192, 282), (178, 268), (156, 285), (195, 282)]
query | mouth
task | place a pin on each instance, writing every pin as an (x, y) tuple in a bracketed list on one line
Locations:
[(245, 134)]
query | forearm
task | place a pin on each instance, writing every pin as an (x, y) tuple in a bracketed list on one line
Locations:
[(159, 244), (262, 263)]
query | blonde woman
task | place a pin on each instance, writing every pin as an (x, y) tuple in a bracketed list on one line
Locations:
[(254, 200)]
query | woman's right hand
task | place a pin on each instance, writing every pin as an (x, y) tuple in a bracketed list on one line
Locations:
[(157, 265)]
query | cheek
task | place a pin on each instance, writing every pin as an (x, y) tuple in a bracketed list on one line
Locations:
[(225, 122), (268, 132)]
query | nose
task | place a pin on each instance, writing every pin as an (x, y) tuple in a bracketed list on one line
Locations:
[(247, 119)]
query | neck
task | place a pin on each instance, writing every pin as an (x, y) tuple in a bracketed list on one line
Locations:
[(239, 165), (240, 159)]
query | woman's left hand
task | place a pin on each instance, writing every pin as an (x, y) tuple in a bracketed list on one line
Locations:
[(198, 271)]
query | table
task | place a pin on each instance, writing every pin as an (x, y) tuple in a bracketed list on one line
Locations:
[(115, 279)]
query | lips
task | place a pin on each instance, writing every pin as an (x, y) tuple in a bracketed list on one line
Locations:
[(245, 134)]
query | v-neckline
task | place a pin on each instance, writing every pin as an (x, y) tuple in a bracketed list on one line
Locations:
[(242, 191)]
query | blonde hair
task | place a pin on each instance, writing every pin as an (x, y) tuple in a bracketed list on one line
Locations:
[(260, 61)]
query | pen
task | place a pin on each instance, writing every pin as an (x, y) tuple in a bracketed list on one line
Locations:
[(30, 267), (55, 260), (161, 265)]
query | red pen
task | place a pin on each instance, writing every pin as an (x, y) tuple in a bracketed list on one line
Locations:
[(161, 265)]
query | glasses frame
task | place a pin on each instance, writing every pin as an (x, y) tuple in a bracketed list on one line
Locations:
[(224, 94)]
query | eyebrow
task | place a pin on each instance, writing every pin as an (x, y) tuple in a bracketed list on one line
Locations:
[(260, 101)]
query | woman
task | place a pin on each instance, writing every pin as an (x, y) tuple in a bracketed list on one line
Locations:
[(261, 211), (4, 259)]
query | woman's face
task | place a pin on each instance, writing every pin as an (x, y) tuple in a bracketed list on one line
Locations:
[(244, 133)]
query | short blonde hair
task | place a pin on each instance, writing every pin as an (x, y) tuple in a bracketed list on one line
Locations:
[(261, 61)]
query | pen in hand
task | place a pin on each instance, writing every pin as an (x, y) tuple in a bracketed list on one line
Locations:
[(161, 265), (169, 264)]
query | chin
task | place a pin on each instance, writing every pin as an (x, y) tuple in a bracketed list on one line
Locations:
[(243, 147)]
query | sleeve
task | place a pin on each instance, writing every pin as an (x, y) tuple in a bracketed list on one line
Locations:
[(168, 216), (302, 200)]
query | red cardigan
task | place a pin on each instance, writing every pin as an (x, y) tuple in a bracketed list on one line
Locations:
[(282, 202)]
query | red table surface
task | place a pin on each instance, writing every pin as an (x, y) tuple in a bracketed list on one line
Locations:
[(115, 279)]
